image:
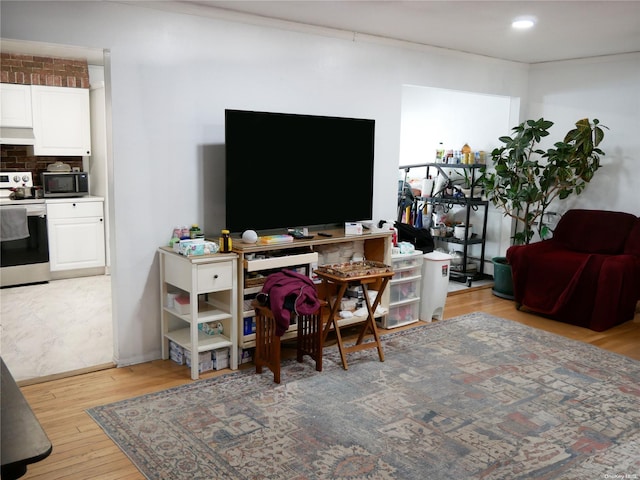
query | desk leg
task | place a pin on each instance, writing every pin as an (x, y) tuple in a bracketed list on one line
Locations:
[(332, 321)]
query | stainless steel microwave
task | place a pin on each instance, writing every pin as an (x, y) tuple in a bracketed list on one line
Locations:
[(65, 184)]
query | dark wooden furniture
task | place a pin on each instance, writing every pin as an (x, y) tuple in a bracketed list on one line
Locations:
[(23, 439), (268, 354), (332, 282)]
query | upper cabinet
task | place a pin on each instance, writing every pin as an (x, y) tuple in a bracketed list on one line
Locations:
[(61, 121), (15, 106)]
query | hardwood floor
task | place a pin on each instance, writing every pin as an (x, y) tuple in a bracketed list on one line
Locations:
[(81, 451)]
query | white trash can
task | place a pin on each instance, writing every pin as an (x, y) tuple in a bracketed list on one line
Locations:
[(435, 285)]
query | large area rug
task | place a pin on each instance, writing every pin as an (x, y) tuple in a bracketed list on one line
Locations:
[(475, 397)]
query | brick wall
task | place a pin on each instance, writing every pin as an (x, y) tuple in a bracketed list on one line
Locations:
[(37, 70), (19, 158)]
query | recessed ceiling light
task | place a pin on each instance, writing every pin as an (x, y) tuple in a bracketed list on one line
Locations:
[(522, 23)]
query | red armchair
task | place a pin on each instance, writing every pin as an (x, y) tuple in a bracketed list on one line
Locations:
[(588, 274)]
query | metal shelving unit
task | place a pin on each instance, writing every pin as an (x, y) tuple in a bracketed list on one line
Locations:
[(449, 196)]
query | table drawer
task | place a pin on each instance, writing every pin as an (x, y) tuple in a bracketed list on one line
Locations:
[(74, 210), (215, 277)]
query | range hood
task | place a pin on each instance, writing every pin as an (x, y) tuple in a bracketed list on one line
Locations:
[(17, 136)]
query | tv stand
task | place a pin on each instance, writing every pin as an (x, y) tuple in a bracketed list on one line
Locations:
[(256, 262)]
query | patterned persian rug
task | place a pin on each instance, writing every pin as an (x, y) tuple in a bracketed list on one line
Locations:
[(475, 397)]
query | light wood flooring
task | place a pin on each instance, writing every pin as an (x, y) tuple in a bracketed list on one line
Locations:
[(81, 451)]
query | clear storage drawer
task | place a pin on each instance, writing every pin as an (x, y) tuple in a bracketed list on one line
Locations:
[(402, 262), (404, 290), (402, 314)]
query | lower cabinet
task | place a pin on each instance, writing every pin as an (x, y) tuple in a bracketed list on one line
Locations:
[(76, 234)]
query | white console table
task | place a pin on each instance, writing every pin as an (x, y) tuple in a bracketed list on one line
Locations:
[(299, 253)]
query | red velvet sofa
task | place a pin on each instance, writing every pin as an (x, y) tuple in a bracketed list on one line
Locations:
[(588, 274)]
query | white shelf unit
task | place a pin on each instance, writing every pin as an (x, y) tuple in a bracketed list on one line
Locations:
[(210, 282), (300, 252), (404, 290), (247, 338)]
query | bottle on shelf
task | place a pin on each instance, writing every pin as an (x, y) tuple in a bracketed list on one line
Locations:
[(225, 241), (427, 187), (194, 231), (440, 153), (175, 236), (467, 156)]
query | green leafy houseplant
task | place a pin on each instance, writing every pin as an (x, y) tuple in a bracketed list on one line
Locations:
[(528, 179)]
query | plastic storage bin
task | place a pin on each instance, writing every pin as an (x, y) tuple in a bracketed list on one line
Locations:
[(404, 290), (435, 284), (402, 314)]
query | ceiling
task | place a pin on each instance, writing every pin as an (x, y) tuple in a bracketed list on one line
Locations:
[(565, 30)]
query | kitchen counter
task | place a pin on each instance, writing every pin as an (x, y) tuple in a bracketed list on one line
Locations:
[(88, 198)]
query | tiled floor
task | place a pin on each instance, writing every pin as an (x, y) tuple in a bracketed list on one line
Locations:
[(58, 327)]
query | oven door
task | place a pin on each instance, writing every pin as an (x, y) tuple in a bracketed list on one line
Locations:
[(26, 260)]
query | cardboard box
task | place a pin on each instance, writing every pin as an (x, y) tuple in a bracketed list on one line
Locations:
[(220, 358), (205, 362), (245, 355), (195, 247), (182, 304), (203, 366), (177, 357), (249, 325), (353, 228), (202, 357)]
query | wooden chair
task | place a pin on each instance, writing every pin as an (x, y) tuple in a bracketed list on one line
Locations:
[(309, 340)]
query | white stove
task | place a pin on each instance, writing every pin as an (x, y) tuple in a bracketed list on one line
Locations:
[(9, 180), (25, 257)]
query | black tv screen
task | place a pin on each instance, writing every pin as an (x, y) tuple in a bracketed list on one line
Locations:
[(288, 170)]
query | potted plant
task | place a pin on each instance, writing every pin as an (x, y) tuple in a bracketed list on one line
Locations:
[(472, 184), (528, 179)]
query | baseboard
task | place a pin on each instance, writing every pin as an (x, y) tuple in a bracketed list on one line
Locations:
[(80, 272), (71, 373), (469, 289)]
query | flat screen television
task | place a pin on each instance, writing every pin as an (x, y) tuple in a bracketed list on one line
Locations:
[(289, 170)]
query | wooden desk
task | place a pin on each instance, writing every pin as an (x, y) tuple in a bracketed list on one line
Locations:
[(23, 439), (342, 283)]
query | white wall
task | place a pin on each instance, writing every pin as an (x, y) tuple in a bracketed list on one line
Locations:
[(606, 88), (431, 116), (171, 78), (441, 118)]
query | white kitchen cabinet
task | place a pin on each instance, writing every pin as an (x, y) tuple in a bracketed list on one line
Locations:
[(15, 105), (209, 284), (61, 121), (76, 234)]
